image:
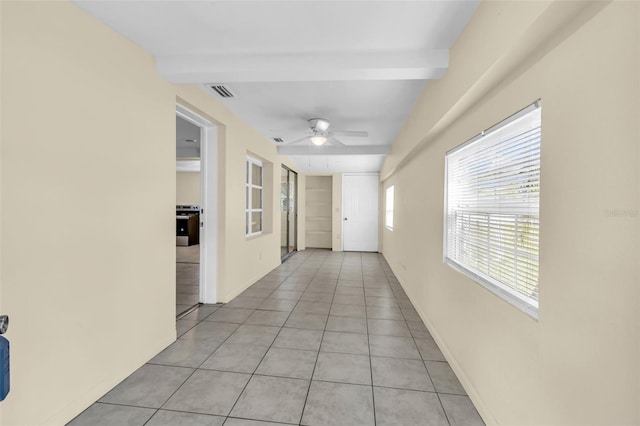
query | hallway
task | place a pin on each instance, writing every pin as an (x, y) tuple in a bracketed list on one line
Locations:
[(327, 338)]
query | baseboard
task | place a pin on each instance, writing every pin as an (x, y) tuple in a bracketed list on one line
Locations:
[(482, 408)]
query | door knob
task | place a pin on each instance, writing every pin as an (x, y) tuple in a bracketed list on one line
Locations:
[(346, 218)]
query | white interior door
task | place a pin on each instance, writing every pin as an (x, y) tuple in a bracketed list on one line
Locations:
[(360, 212)]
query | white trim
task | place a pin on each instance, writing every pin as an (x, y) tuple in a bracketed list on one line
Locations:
[(526, 304), (341, 211), (502, 123), (334, 150), (254, 160), (208, 204), (497, 288), (343, 203), (386, 210), (445, 211), (250, 186), (413, 64)]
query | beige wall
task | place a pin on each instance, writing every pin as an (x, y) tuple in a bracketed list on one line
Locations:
[(88, 136), (188, 188), (87, 139), (579, 363), (337, 211), (2, 306)]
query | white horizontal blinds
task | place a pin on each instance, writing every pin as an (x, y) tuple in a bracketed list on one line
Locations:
[(493, 204)]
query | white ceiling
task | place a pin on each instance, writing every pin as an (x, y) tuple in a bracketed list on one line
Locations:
[(359, 64), (187, 139)]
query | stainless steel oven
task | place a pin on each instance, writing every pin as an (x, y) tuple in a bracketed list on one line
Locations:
[(187, 225)]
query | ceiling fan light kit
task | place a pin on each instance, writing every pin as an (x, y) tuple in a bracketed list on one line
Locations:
[(318, 140), (320, 134)]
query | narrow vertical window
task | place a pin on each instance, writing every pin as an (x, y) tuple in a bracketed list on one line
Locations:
[(388, 218), (493, 208), (254, 196)]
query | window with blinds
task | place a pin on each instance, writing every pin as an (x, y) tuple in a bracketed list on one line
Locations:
[(492, 208)]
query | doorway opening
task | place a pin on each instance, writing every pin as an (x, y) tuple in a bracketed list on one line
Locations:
[(288, 212), (196, 219)]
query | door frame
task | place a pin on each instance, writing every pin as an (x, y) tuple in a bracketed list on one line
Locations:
[(208, 203), (294, 213), (343, 204)]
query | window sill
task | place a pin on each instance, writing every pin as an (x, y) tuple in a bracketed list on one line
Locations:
[(253, 236), (256, 236), (513, 300)]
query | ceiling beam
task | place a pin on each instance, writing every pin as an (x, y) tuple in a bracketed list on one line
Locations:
[(335, 150), (408, 65)]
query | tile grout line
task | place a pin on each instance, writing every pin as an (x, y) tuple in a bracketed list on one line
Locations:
[(198, 367), (184, 381), (420, 353), (258, 421), (271, 345), (312, 271), (425, 365), (239, 325), (307, 350), (366, 320), (253, 374), (304, 405)]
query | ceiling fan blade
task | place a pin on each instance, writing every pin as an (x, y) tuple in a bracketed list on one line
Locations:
[(306, 138), (352, 133), (335, 141)]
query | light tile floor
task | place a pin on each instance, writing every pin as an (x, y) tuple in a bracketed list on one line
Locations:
[(187, 277), (325, 339)]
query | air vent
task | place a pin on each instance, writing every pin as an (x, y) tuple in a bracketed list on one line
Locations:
[(278, 140), (223, 91)]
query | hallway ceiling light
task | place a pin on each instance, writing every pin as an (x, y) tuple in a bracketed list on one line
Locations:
[(318, 140)]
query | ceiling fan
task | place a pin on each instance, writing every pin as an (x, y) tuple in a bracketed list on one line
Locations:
[(320, 133)]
